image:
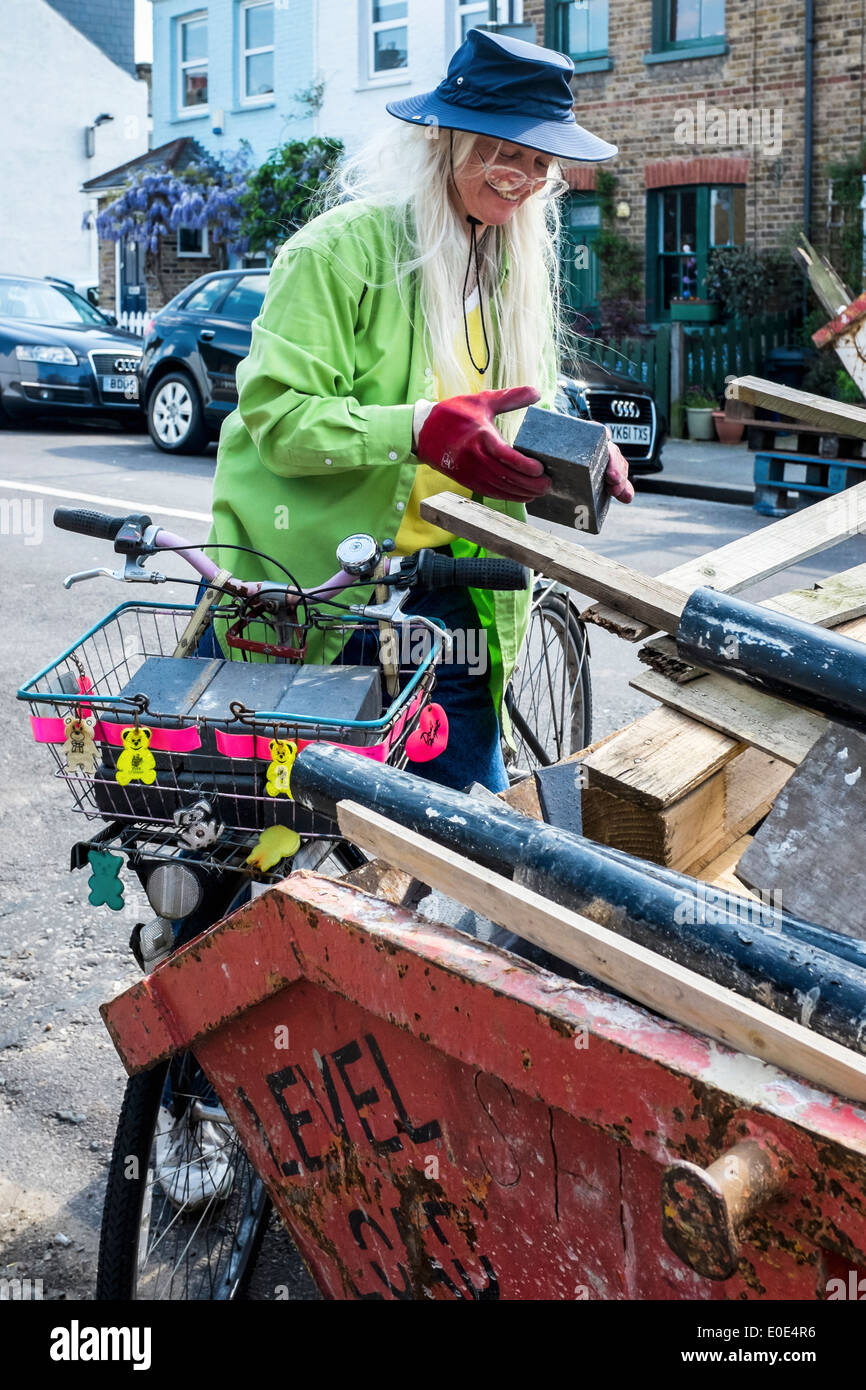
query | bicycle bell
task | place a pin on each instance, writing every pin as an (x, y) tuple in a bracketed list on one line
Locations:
[(359, 555)]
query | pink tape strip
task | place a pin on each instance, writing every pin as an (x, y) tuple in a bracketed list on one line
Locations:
[(256, 746), (52, 730), (161, 740)]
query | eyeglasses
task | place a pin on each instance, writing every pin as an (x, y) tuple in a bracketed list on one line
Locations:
[(504, 179)]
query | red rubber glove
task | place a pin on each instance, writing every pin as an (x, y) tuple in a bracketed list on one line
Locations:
[(459, 439), (616, 473)]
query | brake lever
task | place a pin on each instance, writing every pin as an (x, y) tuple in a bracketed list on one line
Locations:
[(133, 573)]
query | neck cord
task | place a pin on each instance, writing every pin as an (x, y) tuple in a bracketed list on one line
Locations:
[(473, 254)]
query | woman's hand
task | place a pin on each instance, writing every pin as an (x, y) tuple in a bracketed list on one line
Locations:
[(460, 440), (616, 474)]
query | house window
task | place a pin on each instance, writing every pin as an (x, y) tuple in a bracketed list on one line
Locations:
[(389, 37), (192, 241), (192, 67), (580, 29), (690, 21), (257, 50), (683, 226), (474, 13)]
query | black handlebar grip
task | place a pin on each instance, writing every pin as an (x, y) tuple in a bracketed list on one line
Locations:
[(442, 571), (100, 525)]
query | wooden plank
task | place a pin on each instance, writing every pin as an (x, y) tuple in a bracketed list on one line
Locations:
[(640, 974), (721, 872), (837, 416), (808, 849), (743, 711), (740, 711), (839, 599), (751, 558), (688, 833), (659, 758), (652, 600)]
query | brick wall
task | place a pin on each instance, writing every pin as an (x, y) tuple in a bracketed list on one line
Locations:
[(635, 105), (165, 277)]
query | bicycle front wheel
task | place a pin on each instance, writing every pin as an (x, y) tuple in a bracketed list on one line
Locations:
[(549, 697), (185, 1211)]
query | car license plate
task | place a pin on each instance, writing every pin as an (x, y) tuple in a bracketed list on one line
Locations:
[(121, 386), (631, 434)]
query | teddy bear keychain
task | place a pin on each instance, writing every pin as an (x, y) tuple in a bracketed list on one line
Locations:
[(136, 763), (283, 753), (79, 748)]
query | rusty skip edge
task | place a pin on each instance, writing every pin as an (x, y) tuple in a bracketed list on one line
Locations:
[(314, 928)]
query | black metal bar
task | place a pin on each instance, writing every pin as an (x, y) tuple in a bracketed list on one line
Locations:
[(759, 959), (810, 665)]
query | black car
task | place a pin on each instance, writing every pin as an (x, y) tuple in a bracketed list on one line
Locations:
[(195, 343), (59, 355), (595, 393), (191, 350)]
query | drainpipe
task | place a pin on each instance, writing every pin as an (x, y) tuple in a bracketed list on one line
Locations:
[(807, 115), (807, 131)]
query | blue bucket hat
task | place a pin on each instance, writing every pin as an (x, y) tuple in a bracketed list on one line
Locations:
[(509, 90)]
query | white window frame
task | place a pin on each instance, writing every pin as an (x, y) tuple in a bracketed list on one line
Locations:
[(265, 98), (481, 9), (193, 255), (374, 78), (183, 64)]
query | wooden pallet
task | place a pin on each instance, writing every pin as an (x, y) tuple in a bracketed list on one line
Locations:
[(785, 481)]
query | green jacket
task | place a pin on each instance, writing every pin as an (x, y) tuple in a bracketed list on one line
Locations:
[(320, 445)]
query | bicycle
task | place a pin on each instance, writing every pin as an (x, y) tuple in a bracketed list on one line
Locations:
[(174, 749)]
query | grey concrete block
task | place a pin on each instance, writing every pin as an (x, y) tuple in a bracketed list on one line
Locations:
[(574, 453)]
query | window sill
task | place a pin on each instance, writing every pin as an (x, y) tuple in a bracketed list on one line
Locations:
[(698, 50), (592, 65), (375, 84), (199, 114), (253, 106)]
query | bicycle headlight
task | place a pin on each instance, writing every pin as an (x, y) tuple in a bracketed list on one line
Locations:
[(174, 890), (35, 352)]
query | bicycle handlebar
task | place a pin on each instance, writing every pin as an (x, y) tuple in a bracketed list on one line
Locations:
[(425, 570), (442, 571), (100, 525)]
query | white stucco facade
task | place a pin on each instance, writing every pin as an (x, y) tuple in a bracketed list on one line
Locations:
[(54, 83), (354, 102)]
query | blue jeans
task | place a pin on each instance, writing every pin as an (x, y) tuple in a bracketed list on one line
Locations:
[(474, 753)]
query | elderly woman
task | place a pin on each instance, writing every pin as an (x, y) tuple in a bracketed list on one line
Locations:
[(403, 331)]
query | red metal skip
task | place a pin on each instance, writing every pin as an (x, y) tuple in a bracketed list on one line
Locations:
[(436, 1119)]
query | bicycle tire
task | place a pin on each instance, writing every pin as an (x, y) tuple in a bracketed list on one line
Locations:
[(539, 741)]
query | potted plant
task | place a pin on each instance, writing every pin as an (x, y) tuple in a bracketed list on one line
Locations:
[(700, 405), (729, 431)]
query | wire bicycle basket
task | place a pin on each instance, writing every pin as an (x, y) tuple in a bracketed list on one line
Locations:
[(139, 735)]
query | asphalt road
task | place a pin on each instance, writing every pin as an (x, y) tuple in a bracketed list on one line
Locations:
[(60, 1080)]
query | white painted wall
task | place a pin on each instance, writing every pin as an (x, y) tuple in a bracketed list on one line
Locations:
[(353, 107), (54, 82)]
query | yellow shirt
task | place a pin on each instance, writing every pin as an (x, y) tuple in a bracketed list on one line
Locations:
[(414, 532)]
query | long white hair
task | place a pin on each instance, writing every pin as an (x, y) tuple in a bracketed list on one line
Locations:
[(408, 172)]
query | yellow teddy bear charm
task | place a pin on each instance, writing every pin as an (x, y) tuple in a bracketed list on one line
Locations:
[(283, 754), (136, 763)]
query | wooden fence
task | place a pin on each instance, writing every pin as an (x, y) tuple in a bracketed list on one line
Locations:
[(714, 351), (680, 355)]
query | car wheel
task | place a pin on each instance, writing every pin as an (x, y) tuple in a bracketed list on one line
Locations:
[(175, 418)]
